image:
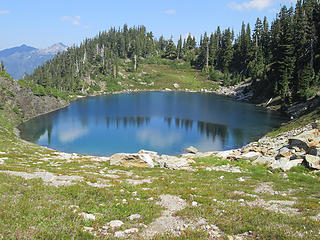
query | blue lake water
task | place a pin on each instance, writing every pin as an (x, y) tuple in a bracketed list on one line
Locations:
[(165, 122)]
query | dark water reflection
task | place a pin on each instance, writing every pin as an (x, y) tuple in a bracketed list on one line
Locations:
[(158, 121)]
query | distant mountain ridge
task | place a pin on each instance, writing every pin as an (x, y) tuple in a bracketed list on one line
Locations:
[(24, 59)]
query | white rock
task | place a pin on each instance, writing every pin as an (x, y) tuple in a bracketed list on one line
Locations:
[(263, 160), (225, 154), (241, 179), (285, 164), (134, 216), (191, 149), (250, 155), (194, 204), (88, 216), (222, 177), (115, 223), (176, 85), (120, 234), (88, 229), (131, 230)]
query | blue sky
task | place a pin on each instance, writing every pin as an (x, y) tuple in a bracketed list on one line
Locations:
[(41, 23)]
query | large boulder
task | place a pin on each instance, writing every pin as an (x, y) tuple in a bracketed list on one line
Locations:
[(191, 149), (225, 154), (285, 163), (284, 152), (301, 143), (132, 160), (263, 160), (315, 151), (172, 162), (313, 161), (250, 155)]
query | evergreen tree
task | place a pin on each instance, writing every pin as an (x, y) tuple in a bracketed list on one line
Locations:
[(2, 68), (179, 48)]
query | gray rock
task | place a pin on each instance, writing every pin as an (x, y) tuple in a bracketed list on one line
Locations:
[(285, 164), (313, 161), (176, 85), (263, 160), (131, 230), (172, 162), (88, 216), (301, 143), (191, 149), (284, 152), (225, 154), (134, 216), (250, 155), (315, 151), (120, 234), (132, 160), (115, 223)]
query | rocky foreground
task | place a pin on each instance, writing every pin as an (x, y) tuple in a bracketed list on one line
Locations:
[(297, 147)]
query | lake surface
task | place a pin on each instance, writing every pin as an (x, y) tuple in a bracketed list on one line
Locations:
[(165, 122)]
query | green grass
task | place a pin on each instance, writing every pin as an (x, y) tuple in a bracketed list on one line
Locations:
[(31, 209), (293, 124)]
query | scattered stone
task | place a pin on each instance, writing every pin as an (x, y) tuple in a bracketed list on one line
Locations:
[(138, 182), (87, 216), (120, 234), (241, 179), (47, 178), (173, 203), (225, 168), (131, 230), (115, 223), (167, 222), (316, 218), (191, 149), (134, 216), (88, 229), (221, 177), (194, 204)]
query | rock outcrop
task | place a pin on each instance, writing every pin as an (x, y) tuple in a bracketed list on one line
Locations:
[(291, 149), (150, 159), (29, 105)]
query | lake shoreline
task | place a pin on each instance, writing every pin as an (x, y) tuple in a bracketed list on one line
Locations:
[(136, 91)]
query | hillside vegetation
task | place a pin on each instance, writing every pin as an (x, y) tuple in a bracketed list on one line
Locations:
[(282, 59)]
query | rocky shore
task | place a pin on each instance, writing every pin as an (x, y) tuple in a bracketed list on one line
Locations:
[(290, 149), (294, 148)]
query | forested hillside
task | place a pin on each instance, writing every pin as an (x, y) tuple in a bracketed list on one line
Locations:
[(281, 58)]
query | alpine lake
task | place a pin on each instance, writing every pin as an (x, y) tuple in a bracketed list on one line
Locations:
[(165, 122)]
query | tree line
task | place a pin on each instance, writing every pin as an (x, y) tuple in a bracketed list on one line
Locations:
[(281, 58)]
